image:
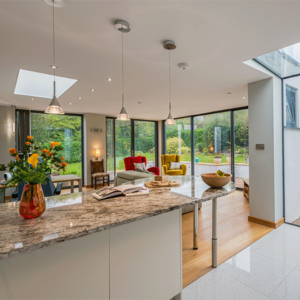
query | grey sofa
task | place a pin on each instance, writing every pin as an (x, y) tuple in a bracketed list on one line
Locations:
[(126, 176)]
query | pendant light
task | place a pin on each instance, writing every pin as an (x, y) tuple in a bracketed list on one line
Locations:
[(170, 45), (54, 106), (123, 27)]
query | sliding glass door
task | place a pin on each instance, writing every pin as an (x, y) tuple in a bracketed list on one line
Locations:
[(66, 129), (145, 140), (178, 141), (123, 143), (212, 143), (241, 146), (110, 148), (130, 138)]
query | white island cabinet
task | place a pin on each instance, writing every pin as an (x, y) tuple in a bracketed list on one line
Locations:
[(139, 260), (123, 248)]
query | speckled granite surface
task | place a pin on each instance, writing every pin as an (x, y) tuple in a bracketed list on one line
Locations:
[(74, 215)]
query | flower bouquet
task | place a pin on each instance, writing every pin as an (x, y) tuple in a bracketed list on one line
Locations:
[(33, 169)]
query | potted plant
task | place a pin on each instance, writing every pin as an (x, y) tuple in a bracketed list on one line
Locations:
[(217, 158), (33, 169)]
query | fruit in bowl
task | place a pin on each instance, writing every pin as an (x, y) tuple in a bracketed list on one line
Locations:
[(216, 180)]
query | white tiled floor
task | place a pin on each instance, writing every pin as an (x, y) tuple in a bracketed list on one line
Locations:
[(268, 269)]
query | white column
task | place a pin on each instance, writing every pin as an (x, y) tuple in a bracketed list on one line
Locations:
[(265, 127)]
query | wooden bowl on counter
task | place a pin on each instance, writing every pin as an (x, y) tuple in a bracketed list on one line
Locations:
[(215, 182)]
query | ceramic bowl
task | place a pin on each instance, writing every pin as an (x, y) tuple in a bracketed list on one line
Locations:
[(215, 182)]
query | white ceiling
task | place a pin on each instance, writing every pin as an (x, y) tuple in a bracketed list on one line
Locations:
[(214, 37)]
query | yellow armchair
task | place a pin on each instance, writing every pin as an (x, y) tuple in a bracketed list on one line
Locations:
[(166, 160)]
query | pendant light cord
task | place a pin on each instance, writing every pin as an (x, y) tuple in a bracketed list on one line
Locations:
[(169, 80), (53, 41), (122, 74)]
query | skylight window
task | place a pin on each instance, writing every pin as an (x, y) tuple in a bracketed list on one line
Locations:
[(283, 62), (36, 84)]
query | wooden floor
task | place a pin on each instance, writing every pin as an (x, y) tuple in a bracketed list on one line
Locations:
[(235, 233)]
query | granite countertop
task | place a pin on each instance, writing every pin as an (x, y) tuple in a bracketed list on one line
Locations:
[(74, 215)]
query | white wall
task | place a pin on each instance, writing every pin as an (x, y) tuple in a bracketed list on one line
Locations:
[(7, 136), (291, 174), (292, 158), (265, 127), (93, 140)]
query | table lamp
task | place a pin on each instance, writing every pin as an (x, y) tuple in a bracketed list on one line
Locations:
[(97, 154)]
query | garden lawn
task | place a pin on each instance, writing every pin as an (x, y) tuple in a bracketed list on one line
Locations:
[(73, 168)]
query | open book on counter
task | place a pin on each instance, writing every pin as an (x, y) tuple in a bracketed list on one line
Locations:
[(122, 190)]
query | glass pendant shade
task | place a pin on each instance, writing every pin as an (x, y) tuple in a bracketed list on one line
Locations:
[(54, 107), (170, 120), (123, 115)]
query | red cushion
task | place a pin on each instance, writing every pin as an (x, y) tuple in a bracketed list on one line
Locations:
[(135, 160)]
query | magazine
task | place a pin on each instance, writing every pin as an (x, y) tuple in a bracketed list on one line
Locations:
[(144, 191), (109, 192)]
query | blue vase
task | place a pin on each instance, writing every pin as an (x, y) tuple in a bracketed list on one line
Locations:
[(197, 159)]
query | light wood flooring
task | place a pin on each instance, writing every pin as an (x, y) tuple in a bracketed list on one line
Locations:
[(234, 234)]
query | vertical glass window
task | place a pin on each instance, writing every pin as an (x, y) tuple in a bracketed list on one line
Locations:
[(241, 146), (66, 129), (178, 141), (123, 143), (291, 106), (144, 141), (110, 148), (212, 143)]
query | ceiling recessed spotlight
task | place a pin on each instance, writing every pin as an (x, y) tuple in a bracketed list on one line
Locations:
[(229, 93), (31, 99), (244, 97), (70, 103), (53, 67), (92, 90), (108, 79), (79, 98), (139, 102)]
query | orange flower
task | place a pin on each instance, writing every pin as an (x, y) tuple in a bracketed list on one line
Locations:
[(45, 151), (50, 154), (33, 160), (53, 144), (12, 151), (62, 158), (27, 143), (64, 164), (17, 157), (29, 137)]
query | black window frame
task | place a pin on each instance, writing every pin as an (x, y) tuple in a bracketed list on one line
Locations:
[(232, 136), (132, 139), (82, 142)]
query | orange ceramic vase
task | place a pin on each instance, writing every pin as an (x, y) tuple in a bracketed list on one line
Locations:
[(32, 204)]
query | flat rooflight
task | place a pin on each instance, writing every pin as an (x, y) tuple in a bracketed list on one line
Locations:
[(36, 84)]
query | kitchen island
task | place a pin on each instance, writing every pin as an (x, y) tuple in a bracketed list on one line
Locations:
[(119, 248)]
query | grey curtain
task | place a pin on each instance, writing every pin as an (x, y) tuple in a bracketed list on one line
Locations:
[(23, 128)]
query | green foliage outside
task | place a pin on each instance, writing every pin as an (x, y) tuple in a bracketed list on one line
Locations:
[(144, 141), (204, 135), (60, 128)]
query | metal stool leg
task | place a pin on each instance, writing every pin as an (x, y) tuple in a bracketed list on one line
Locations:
[(214, 234), (195, 227)]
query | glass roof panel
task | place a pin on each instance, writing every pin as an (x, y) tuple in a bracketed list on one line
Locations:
[(36, 84), (283, 62)]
